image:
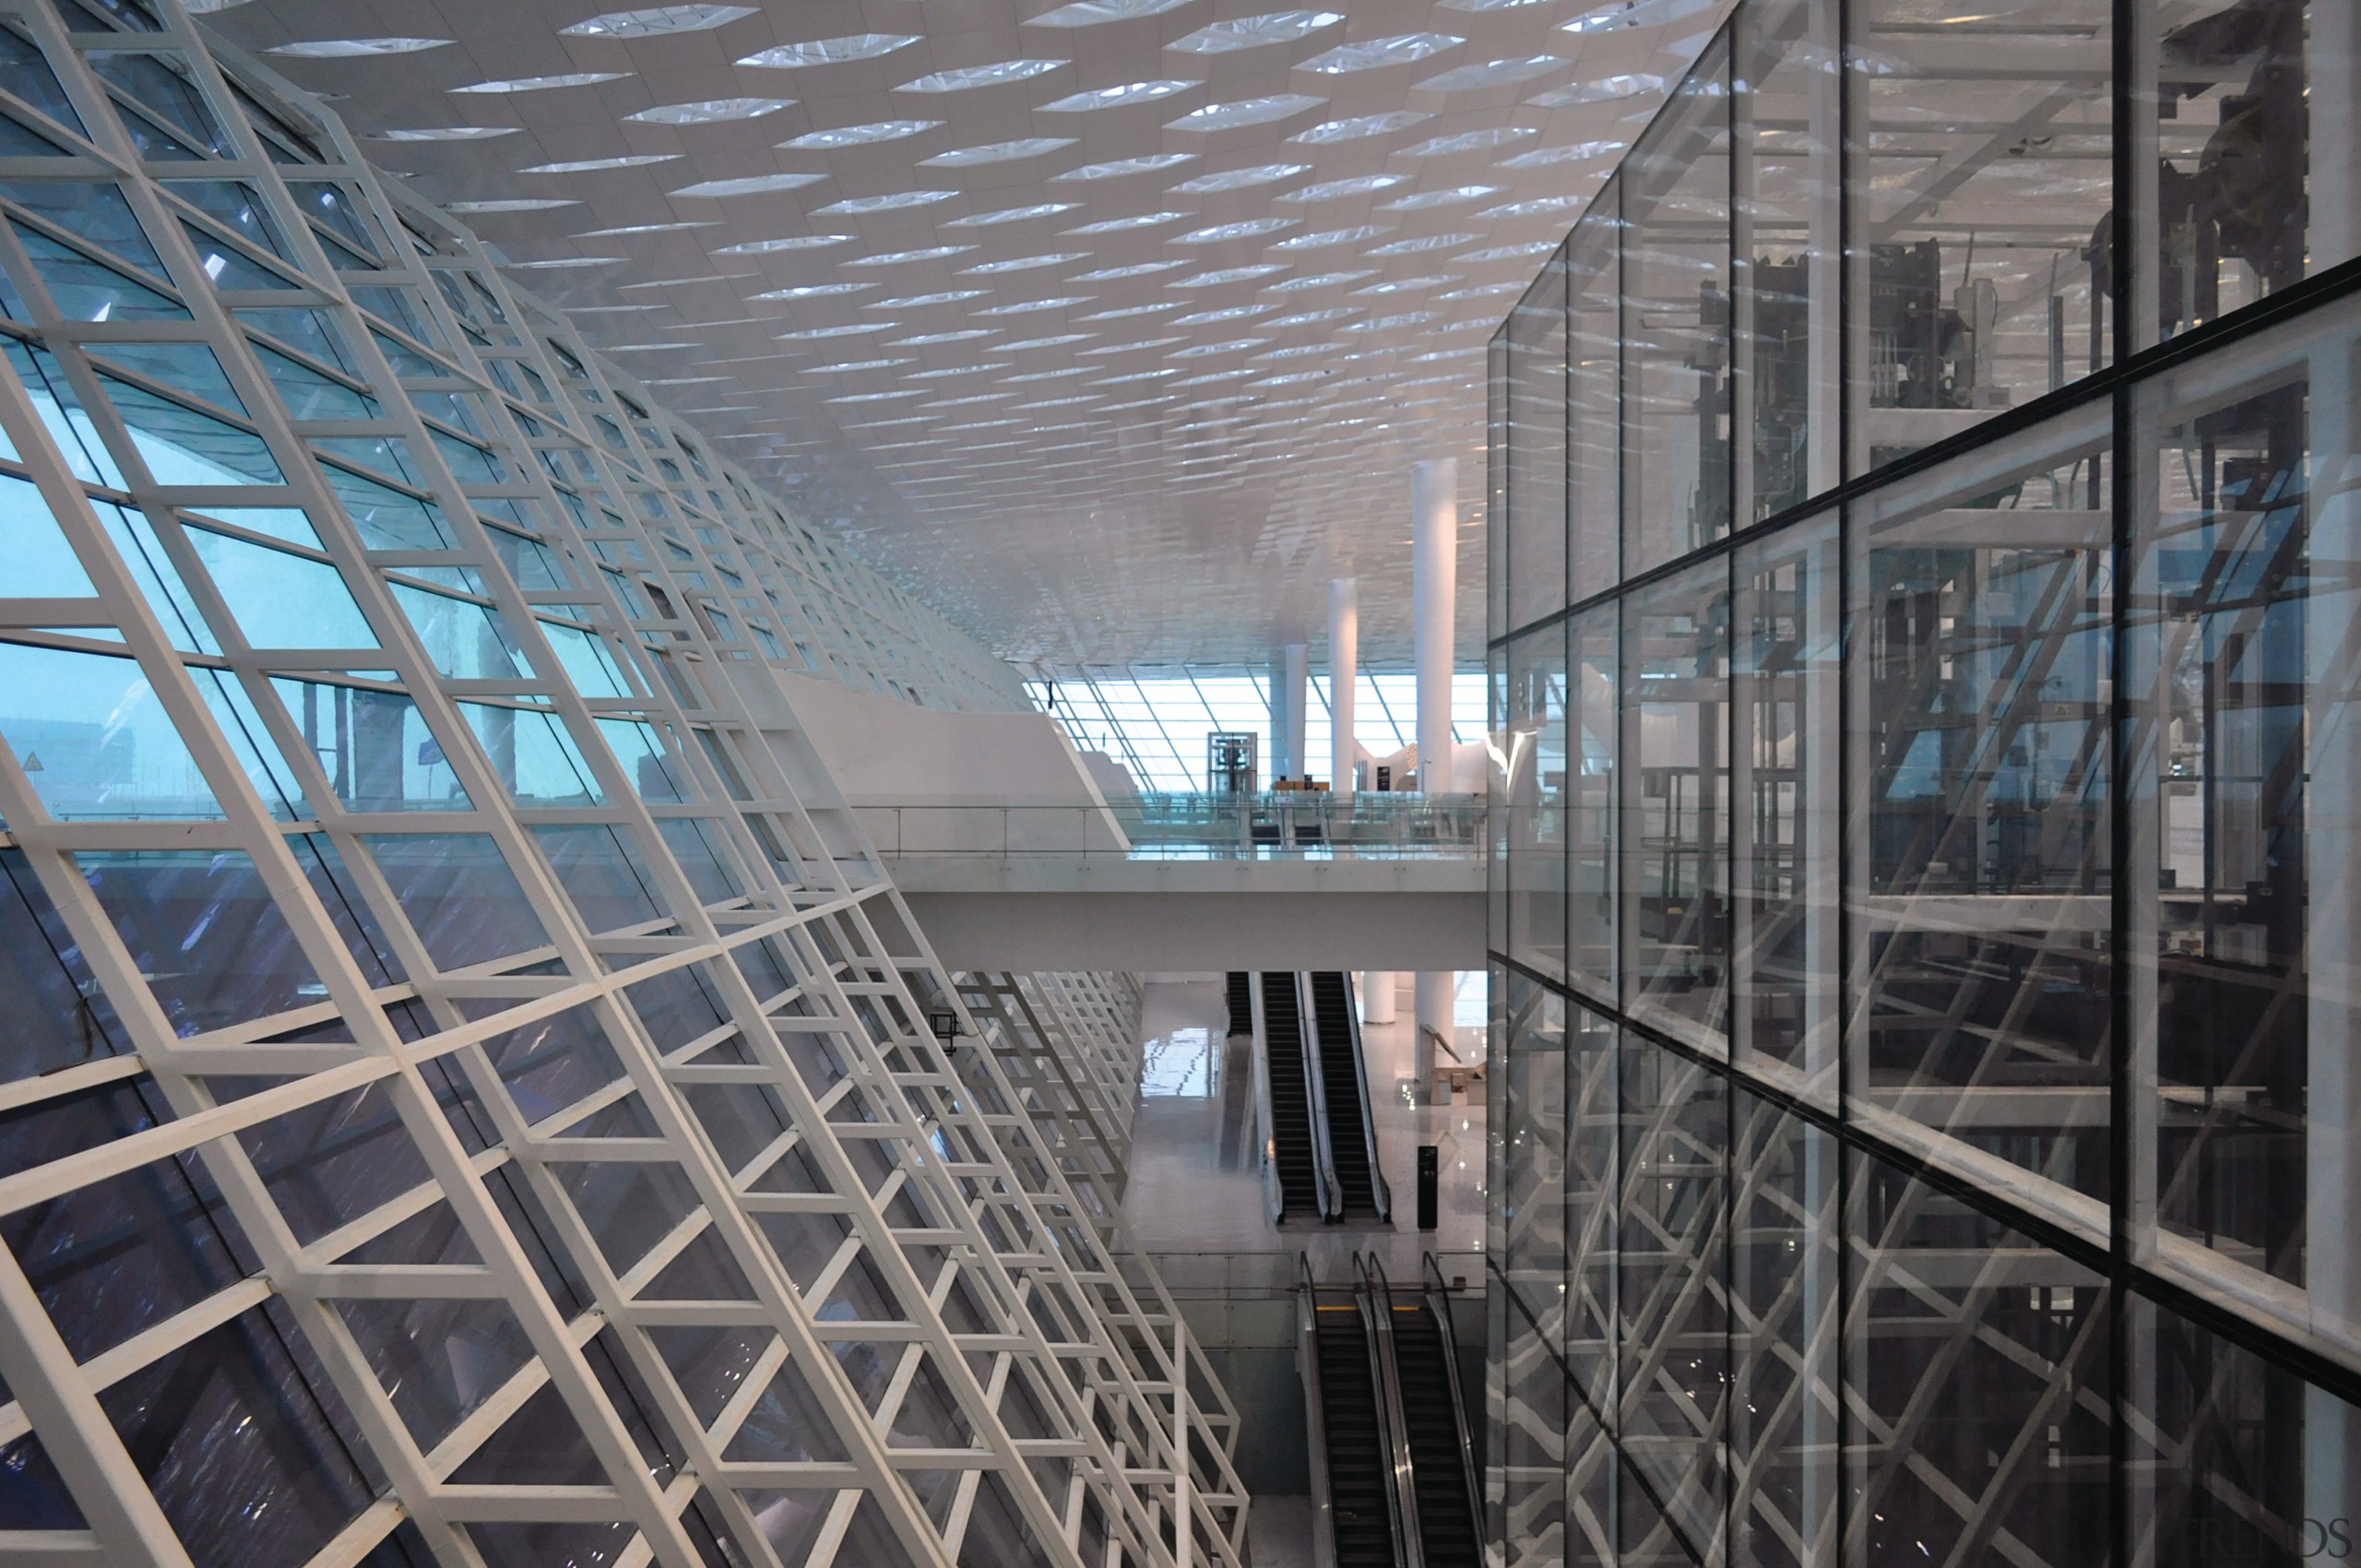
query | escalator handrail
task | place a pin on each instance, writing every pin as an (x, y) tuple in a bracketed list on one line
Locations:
[(1274, 1193), (1437, 1297), (1323, 1178), (1315, 1408), (1323, 1128), (1378, 1192), (1376, 1300)]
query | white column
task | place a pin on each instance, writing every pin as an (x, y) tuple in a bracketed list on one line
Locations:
[(1431, 1008), (1434, 572), (1344, 671), (2332, 101), (1294, 673), (1377, 996)]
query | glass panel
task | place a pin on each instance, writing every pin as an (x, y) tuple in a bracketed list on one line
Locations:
[(1978, 151), (1788, 185), (1782, 827), (95, 742), (1533, 1192), (41, 563), (1592, 747), (464, 638), (280, 600), (1593, 1120), (1595, 398), (1531, 1443), (1676, 803), (2235, 98), (1676, 324), (375, 746), (1534, 745), (2232, 1459), (1975, 1375), (1671, 1252), (1784, 1290), (1537, 436), (459, 894), (204, 934), (2248, 763), (1981, 598)]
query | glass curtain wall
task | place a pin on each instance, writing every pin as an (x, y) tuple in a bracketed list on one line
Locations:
[(1927, 1022), (471, 1096)]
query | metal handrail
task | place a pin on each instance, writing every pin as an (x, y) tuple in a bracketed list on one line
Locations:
[(1376, 1298), (1380, 1191), (1437, 1297), (1332, 1190), (1307, 1362), (1274, 1193)]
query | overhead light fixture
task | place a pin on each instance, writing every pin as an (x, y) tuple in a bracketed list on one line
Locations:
[(1358, 185), (1471, 141), (1014, 214), (588, 165), (510, 204), (1116, 170), (791, 243), (1324, 238), (1375, 54), (1361, 125), (544, 84), (449, 132), (1245, 228), (657, 21), (1245, 112), (829, 51), (353, 48), (1091, 13), (895, 258), (649, 229), (859, 135), (997, 152), (1116, 97), (1136, 220), (751, 184), (1255, 33), (711, 111), (965, 78), (891, 201)]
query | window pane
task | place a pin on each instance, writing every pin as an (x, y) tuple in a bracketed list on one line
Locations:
[(1535, 798), (1537, 435)]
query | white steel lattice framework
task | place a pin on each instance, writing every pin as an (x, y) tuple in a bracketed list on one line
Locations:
[(469, 1097)]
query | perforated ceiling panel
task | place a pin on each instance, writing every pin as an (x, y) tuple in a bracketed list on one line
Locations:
[(1110, 329)]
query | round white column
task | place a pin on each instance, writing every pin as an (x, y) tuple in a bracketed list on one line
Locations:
[(1377, 996), (1433, 1011), (1344, 672), (1434, 580)]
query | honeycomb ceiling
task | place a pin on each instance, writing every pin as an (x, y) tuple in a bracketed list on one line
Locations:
[(1109, 328)]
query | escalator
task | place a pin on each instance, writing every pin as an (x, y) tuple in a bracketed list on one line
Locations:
[(1241, 996), (1435, 1421), (1351, 1473), (1294, 1142), (1393, 1477), (1352, 1137)]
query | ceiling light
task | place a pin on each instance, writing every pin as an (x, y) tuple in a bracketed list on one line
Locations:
[(1309, 317), (829, 51), (1361, 125), (919, 301), (1404, 285), (1493, 73), (1136, 220), (1360, 184), (1091, 13), (1013, 215), (585, 166), (556, 263), (894, 258), (657, 19), (1152, 162), (1400, 50), (811, 291), (1318, 280), (1137, 269), (646, 229), (1253, 32), (1244, 111), (1452, 197), (1115, 96), (510, 204), (1537, 207), (354, 47), (711, 111), (1487, 290), (1126, 311), (1244, 229), (1509, 253), (1239, 179), (1233, 313), (1471, 141), (751, 184), (967, 76), (1226, 275), (1062, 338), (890, 201), (962, 336), (542, 84), (1027, 307), (851, 366), (997, 152), (1327, 237), (1206, 350), (815, 334), (450, 133), (791, 242), (1023, 263), (858, 135)]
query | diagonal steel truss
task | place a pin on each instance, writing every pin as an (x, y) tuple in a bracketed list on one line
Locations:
[(643, 1132)]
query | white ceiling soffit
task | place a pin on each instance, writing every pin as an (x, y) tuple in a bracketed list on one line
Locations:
[(1140, 309)]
